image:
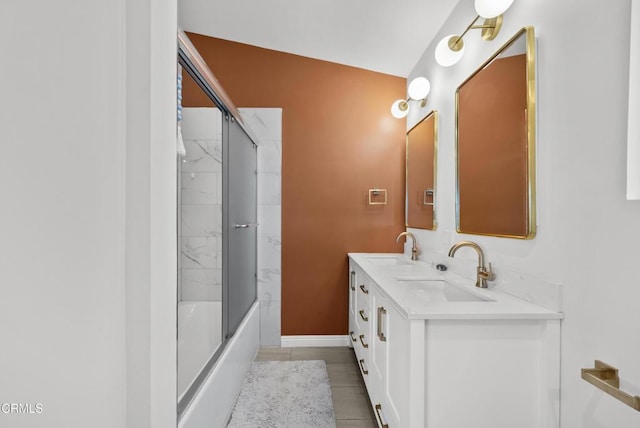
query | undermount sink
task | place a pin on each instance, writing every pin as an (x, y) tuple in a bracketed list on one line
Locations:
[(438, 291), (398, 260), (418, 276), (404, 269)]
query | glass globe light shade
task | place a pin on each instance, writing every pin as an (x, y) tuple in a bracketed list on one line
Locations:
[(419, 88), (492, 8), (399, 109), (444, 55)]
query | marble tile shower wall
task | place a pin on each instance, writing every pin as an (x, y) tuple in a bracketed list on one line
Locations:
[(201, 206), (266, 123), (201, 203)]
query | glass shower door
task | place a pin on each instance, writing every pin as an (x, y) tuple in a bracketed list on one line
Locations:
[(200, 193), (242, 225), (217, 225)]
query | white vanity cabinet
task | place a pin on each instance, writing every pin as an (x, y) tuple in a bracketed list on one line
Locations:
[(394, 395), (389, 356), (428, 364)]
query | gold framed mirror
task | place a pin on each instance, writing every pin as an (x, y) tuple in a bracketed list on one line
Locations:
[(422, 149), (495, 143)]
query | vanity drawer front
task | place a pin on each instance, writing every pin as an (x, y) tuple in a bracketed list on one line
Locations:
[(353, 334), (361, 346), (362, 318), (363, 290), (363, 342), (363, 365), (357, 325), (359, 340), (362, 332)]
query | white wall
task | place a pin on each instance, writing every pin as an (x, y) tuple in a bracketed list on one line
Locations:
[(85, 310), (151, 213), (587, 231), (633, 142)]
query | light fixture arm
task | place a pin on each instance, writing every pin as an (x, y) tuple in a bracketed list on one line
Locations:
[(490, 29), (423, 102), (417, 91), (405, 105), (482, 27), (459, 39), (451, 48)]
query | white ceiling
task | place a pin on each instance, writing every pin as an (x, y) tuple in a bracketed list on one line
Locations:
[(387, 36)]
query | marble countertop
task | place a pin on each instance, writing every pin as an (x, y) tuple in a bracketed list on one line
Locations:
[(399, 279)]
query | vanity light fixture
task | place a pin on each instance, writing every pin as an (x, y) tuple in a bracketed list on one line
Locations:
[(451, 48), (418, 90)]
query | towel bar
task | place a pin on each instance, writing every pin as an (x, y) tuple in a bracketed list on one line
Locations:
[(377, 196), (605, 377)]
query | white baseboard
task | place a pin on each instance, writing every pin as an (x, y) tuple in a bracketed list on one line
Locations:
[(313, 341)]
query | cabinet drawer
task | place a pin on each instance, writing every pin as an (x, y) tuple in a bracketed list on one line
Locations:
[(360, 336), (353, 337), (363, 340), (379, 409), (361, 345), (363, 290), (363, 364), (362, 318)]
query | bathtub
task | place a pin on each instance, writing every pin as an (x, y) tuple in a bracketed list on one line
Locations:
[(213, 403), (199, 334)]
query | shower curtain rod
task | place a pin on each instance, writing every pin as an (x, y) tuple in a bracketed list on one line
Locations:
[(192, 61)]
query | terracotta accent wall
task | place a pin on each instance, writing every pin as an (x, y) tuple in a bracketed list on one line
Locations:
[(492, 150), (339, 139)]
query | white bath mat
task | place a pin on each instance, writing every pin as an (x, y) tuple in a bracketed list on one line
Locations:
[(285, 394)]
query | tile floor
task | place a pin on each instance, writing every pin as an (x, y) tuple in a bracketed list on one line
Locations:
[(350, 401)]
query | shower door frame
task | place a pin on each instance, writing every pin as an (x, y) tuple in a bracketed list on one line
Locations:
[(191, 62)]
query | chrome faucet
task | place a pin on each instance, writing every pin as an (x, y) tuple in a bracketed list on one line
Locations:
[(483, 274), (415, 250)]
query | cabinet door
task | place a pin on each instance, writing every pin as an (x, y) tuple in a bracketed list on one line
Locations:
[(378, 342), (396, 380), (379, 361), (389, 362), (378, 358)]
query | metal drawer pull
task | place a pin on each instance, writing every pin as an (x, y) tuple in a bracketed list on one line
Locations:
[(378, 410), (353, 276), (364, 344), (364, 370), (363, 316), (381, 312), (364, 290), (353, 337), (244, 226)]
